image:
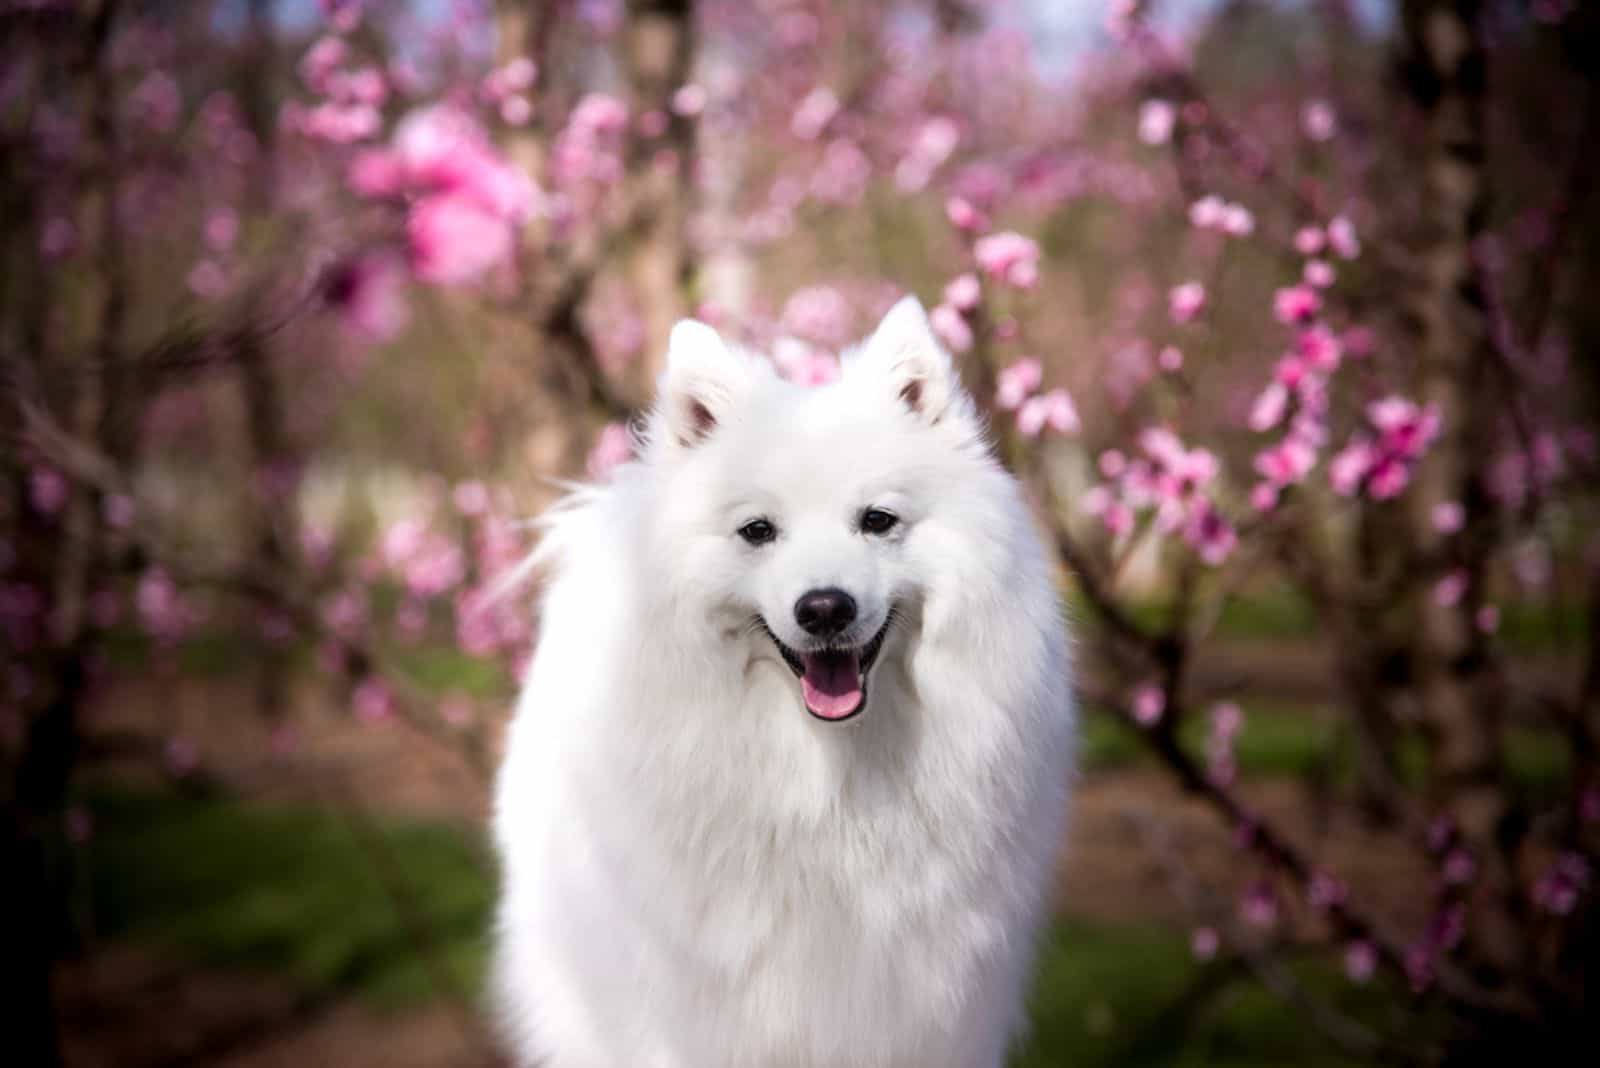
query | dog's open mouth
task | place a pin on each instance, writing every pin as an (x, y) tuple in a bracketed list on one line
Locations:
[(833, 681)]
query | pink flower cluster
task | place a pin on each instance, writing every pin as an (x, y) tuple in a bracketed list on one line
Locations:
[(1173, 483), (589, 148), (350, 97), (1211, 212), (951, 317), (1380, 464), (1008, 257), (465, 200), (1015, 391), (1562, 884), (1226, 721)]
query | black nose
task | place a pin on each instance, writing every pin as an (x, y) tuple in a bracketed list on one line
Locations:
[(825, 612)]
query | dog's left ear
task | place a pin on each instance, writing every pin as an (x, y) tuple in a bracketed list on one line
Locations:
[(703, 384), (905, 350)]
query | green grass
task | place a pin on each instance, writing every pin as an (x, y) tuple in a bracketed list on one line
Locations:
[(1129, 997), (1284, 614), (295, 892), (1295, 742)]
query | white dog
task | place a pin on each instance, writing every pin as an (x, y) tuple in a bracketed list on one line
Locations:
[(788, 778)]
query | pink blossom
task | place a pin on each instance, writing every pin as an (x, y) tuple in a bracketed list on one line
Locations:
[(1407, 429), (1209, 534), (1449, 517), (1054, 410), (933, 144), (1388, 479), (1325, 891), (819, 314), (842, 176), (1318, 273), (516, 110), (1015, 383), (1308, 240), (1207, 212), (1095, 500), (1009, 257), (1268, 409), (1227, 718), (1287, 462), (963, 292), (1258, 906), (1185, 301), (1263, 496), (1360, 341), (157, 101), (1319, 347), (1449, 590), (613, 446), (377, 172), (454, 239), (1237, 221), (345, 612), (1295, 304), (161, 608), (1204, 943), (1562, 884), (340, 124), (1360, 961), (1156, 119), (689, 100), (816, 110), (222, 227), (1318, 121), (368, 293), (437, 568), (471, 497), (1112, 463), (1349, 466), (1342, 238), (371, 701), (207, 280), (963, 215), (952, 327), (321, 60), (1487, 619), (519, 74), (1170, 359), (1148, 704), (48, 490), (1459, 867)]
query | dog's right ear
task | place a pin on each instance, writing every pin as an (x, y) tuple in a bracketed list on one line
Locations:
[(703, 382)]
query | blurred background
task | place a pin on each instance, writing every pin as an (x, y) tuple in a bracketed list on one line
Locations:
[(1282, 309)]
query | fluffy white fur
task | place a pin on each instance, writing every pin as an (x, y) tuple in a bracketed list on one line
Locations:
[(699, 873)]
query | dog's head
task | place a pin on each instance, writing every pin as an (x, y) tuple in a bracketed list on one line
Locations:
[(810, 523)]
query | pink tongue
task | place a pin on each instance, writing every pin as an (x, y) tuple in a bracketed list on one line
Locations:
[(831, 684)]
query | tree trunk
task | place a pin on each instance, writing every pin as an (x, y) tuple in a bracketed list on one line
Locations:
[(658, 55), (1457, 685)]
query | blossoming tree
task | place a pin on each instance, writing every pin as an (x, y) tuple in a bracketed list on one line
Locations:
[(1245, 323)]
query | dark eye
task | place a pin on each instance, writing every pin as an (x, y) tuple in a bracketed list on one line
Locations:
[(877, 521), (758, 532)]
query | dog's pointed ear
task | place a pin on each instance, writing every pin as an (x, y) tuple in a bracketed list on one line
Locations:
[(703, 382), (905, 350)]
